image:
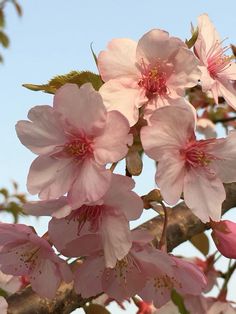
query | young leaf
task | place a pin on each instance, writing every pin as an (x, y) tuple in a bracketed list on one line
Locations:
[(2, 18), (191, 42), (93, 53), (179, 302), (17, 7), (4, 40), (75, 77), (201, 242)]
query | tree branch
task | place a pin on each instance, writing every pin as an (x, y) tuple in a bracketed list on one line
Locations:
[(182, 225)]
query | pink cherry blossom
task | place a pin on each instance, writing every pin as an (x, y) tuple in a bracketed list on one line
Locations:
[(128, 276), (153, 72), (201, 304), (207, 267), (108, 217), (9, 283), (3, 305), (206, 127), (74, 139), (186, 278), (196, 168), (224, 236), (24, 253), (218, 70)]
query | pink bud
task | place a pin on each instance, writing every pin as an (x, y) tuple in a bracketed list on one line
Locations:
[(223, 234)]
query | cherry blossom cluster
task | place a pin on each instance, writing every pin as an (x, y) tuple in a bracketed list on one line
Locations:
[(79, 140)]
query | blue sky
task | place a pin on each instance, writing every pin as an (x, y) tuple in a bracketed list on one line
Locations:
[(53, 37)]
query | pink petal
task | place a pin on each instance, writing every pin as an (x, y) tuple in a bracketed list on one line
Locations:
[(116, 237), (91, 184), (186, 70), (3, 305), (164, 133), (50, 177), (13, 232), (224, 236), (156, 291), (206, 80), (124, 97), (81, 107), (203, 194), (118, 60), (170, 177), (58, 208), (43, 133), (90, 272), (45, 279), (83, 245), (207, 34), (111, 146), (225, 152), (189, 278), (228, 91), (70, 232), (120, 197), (229, 73), (156, 44), (122, 284)]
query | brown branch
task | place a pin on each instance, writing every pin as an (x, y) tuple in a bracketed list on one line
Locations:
[(182, 225)]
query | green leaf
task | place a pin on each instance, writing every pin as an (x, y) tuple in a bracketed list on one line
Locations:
[(179, 302), (201, 242), (191, 42), (75, 77), (4, 40), (3, 293), (2, 18)]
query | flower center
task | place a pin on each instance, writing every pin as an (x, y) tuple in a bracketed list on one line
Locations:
[(85, 214), (217, 60), (165, 282), (124, 267), (79, 148), (28, 255), (153, 79), (195, 154)]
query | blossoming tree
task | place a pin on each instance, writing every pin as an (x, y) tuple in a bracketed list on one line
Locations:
[(149, 97)]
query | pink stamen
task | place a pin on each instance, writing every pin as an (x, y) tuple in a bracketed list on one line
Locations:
[(79, 147), (85, 214), (217, 60), (153, 79), (195, 153)]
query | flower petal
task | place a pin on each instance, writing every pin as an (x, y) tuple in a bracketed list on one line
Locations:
[(164, 134), (43, 133), (111, 146), (82, 107), (124, 97), (203, 194), (50, 177), (156, 44), (170, 177), (118, 60), (91, 184), (116, 241)]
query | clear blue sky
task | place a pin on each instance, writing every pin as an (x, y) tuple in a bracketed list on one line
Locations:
[(53, 37)]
